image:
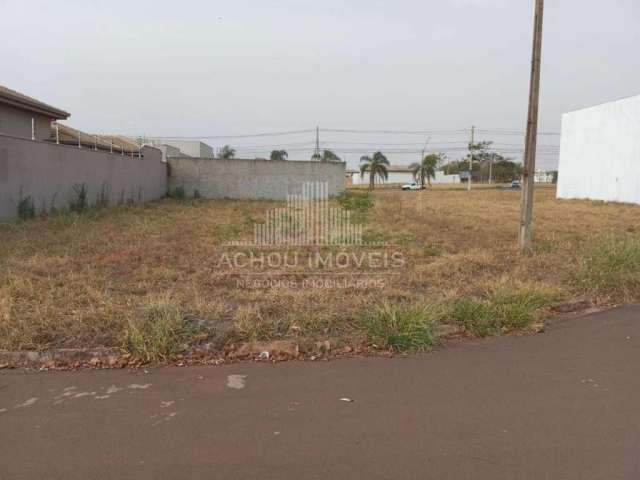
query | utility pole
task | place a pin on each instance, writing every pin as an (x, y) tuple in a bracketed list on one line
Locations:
[(526, 214), (317, 141), (471, 146), (493, 156)]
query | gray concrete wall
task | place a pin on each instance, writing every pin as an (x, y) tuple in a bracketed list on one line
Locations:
[(47, 173), (16, 122), (252, 179)]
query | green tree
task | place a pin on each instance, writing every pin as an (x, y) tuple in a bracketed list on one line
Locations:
[(426, 170), (486, 164), (226, 152), (326, 156), (279, 155), (376, 166)]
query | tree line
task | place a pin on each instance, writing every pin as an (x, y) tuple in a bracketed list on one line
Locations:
[(486, 165)]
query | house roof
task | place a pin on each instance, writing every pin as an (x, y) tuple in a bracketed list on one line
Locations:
[(20, 100), (71, 136)]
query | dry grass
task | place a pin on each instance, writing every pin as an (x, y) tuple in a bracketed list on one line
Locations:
[(129, 276)]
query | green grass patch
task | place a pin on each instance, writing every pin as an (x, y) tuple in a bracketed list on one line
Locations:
[(501, 310), (358, 201), (432, 250), (157, 334), (401, 327), (610, 269)]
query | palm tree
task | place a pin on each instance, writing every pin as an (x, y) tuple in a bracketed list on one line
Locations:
[(227, 152), (279, 155), (326, 156), (376, 165), (425, 170)]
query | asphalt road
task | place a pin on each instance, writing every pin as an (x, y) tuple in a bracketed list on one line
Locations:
[(561, 405)]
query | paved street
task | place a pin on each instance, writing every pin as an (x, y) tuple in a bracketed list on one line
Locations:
[(561, 405)]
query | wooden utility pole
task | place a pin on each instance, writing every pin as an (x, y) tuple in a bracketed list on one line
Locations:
[(471, 147), (526, 214)]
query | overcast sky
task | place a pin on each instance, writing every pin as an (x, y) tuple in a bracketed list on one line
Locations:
[(205, 68)]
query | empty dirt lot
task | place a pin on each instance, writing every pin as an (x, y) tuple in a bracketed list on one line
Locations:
[(148, 279)]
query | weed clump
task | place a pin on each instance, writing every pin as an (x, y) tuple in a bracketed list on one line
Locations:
[(178, 193), (501, 310), (157, 334), (609, 269), (401, 327), (26, 208), (356, 201), (79, 203)]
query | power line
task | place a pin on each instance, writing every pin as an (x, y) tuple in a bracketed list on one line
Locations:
[(399, 132), (514, 132), (252, 135)]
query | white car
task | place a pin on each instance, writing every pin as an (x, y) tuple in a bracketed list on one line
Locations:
[(412, 186)]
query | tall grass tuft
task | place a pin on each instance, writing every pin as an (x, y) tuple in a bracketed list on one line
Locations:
[(359, 201), (156, 335), (609, 269), (402, 327), (26, 208), (503, 309), (79, 203)]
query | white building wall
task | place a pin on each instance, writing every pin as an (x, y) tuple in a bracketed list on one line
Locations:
[(600, 153), (191, 148), (404, 178)]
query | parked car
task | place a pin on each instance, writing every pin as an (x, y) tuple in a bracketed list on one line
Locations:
[(515, 185), (412, 186)]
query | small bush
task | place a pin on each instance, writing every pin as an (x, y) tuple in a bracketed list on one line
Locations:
[(26, 208), (402, 327)]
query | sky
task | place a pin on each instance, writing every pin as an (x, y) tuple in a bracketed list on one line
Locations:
[(219, 68)]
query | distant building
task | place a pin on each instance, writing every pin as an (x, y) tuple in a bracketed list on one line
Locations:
[(398, 174), (600, 152), (25, 117), (542, 176), (188, 148)]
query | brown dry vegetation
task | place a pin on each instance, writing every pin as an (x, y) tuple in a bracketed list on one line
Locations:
[(147, 278)]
